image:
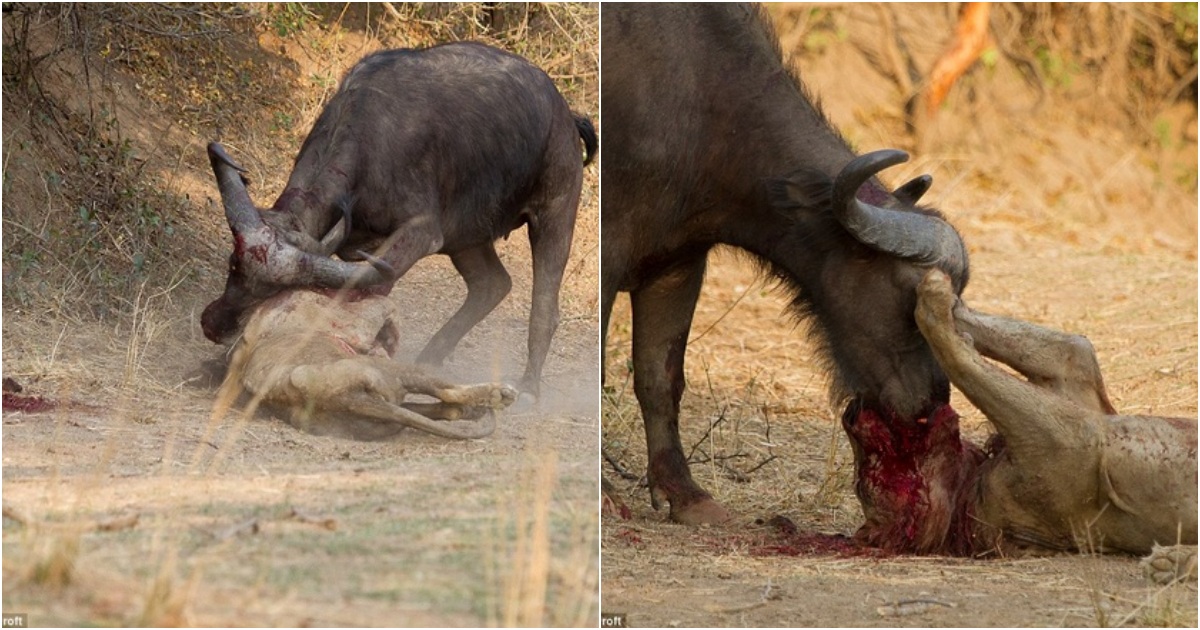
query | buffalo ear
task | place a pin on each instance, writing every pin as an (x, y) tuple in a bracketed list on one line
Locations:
[(803, 189), (912, 191)]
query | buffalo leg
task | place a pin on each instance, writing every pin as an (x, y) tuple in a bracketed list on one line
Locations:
[(662, 317), (1054, 360), (1032, 420), (550, 245), (409, 243), (487, 284)]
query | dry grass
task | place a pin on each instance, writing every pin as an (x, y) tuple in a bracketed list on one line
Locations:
[(534, 587)]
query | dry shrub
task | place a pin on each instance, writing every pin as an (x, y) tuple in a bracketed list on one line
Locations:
[(1140, 57), (91, 218)]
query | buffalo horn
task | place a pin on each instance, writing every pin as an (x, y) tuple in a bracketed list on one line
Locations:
[(921, 238), (334, 238), (285, 264), (327, 272), (912, 190), (239, 210), (337, 234)]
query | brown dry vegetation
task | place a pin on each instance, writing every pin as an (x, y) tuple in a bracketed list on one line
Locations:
[(1067, 157), (132, 503)]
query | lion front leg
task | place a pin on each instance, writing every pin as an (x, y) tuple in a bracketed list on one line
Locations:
[(468, 402), (493, 396), (414, 379), (1034, 421)]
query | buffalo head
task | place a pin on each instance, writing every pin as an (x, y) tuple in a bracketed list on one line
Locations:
[(268, 258), (862, 288)]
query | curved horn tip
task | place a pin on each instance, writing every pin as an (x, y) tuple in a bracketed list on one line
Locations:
[(217, 154), (858, 171), (880, 159), (380, 265), (915, 188), (910, 235)]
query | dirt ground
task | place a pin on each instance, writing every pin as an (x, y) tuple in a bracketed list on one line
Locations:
[(129, 502), (1070, 221)]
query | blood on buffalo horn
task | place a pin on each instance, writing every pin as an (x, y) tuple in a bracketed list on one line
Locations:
[(921, 238), (275, 261)]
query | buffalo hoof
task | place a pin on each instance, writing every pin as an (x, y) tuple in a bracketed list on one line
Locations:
[(524, 402), (701, 512)]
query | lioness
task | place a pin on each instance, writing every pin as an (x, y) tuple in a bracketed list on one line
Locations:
[(327, 360), (1064, 471)]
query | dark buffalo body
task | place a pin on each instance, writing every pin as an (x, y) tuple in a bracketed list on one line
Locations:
[(711, 140), (440, 150)]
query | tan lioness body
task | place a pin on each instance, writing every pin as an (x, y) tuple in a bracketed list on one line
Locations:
[(328, 363), (1071, 473)]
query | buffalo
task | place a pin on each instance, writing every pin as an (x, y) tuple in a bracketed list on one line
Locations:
[(419, 152), (712, 140)]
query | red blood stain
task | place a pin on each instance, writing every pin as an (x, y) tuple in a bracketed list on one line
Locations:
[(629, 536), (670, 476), (913, 480), (258, 252), (776, 542), (27, 404)]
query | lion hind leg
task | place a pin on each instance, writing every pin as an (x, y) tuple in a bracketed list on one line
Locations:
[(327, 382), (1170, 564), (382, 411), (493, 396)]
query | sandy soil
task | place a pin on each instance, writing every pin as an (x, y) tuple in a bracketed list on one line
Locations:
[(421, 531), (1058, 234)]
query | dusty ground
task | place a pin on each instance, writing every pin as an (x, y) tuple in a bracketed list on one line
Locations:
[(1070, 222), (129, 503)]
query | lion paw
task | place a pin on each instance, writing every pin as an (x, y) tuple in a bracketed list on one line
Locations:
[(502, 396), (1165, 565), (936, 294), (494, 396), (935, 303)]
